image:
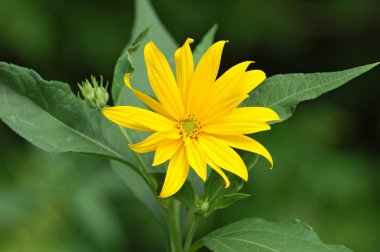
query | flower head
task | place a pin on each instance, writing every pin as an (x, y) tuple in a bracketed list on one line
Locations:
[(195, 120)]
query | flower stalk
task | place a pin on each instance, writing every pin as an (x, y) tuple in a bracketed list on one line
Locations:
[(191, 232), (173, 216)]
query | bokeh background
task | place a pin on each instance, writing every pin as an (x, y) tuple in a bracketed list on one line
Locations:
[(326, 156)]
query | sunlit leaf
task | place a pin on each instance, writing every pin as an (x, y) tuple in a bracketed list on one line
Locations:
[(50, 116), (283, 92)]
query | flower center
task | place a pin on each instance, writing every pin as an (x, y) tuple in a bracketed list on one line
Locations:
[(189, 126)]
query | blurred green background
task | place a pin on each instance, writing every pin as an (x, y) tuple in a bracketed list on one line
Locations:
[(326, 156)]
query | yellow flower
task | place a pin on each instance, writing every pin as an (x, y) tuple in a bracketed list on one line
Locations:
[(196, 119)]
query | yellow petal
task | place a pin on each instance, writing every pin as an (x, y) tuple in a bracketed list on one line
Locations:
[(148, 144), (176, 174), (210, 113), (162, 81), (246, 143), (219, 171), (146, 99), (226, 84), (251, 79), (196, 158), (231, 75), (184, 68), (223, 155), (221, 101), (204, 76), (170, 134), (248, 114), (236, 127), (166, 150), (138, 118)]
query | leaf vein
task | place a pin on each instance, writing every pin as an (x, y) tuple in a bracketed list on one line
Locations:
[(252, 242)]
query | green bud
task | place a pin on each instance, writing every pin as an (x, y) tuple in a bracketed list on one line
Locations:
[(202, 207), (94, 93)]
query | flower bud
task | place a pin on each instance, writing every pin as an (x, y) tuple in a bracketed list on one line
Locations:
[(94, 93)]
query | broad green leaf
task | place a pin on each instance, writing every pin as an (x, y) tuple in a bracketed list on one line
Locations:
[(262, 236), (283, 92), (125, 65), (142, 192), (50, 116), (204, 44)]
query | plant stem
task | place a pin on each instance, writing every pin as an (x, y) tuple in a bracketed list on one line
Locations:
[(173, 218), (196, 246), (190, 234)]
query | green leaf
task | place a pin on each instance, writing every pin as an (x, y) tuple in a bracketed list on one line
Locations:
[(214, 186), (259, 235), (50, 116), (216, 195), (205, 43), (283, 92), (125, 65), (227, 200)]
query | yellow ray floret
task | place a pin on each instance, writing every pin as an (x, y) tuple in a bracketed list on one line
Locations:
[(195, 119)]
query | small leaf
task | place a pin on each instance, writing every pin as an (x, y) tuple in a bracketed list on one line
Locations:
[(215, 191), (50, 116), (205, 43), (217, 196), (283, 92), (259, 235), (227, 200), (215, 186)]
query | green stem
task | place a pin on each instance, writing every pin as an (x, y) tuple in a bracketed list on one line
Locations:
[(173, 219), (190, 234), (196, 246), (151, 182)]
